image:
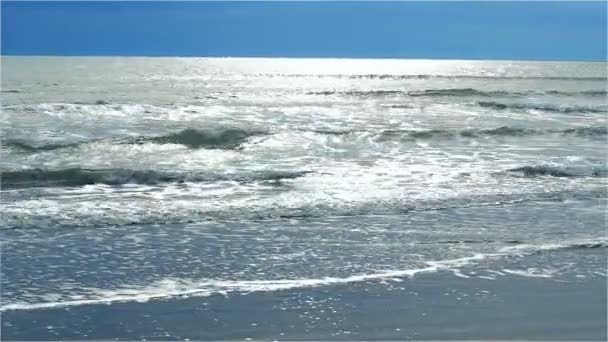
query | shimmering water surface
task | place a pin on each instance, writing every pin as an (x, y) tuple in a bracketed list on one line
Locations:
[(144, 179)]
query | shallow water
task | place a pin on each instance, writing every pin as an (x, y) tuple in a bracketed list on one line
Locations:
[(137, 179)]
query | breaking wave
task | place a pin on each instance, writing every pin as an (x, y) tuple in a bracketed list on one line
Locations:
[(20, 145), (504, 131), (463, 92), (235, 138), (587, 131), (177, 213), (544, 108), (194, 138), (231, 138), (559, 171), (450, 242), (574, 93), (78, 177), (550, 247)]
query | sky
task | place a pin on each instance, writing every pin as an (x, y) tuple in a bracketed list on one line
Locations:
[(441, 30)]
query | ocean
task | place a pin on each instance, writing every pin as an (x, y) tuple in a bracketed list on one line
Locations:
[(228, 198)]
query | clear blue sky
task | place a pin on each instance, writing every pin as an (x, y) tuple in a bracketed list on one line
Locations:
[(458, 30)]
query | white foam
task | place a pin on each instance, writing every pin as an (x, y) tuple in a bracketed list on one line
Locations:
[(533, 272), (531, 248), (486, 277), (458, 273), (170, 287)]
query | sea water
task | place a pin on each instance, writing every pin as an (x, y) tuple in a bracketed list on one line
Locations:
[(146, 179)]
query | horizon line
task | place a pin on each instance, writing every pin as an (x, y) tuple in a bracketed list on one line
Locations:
[(309, 57)]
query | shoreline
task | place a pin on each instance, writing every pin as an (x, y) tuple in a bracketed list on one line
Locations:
[(430, 306)]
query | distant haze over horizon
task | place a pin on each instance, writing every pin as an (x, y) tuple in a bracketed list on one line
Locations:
[(311, 58)]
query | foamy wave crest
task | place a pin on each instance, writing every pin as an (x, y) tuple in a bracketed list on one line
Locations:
[(171, 288), (236, 138), (117, 212), (559, 171), (504, 131), (23, 146), (454, 92), (526, 249), (221, 138), (601, 92), (587, 131), (78, 177), (175, 288), (543, 108), (197, 138), (414, 93)]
